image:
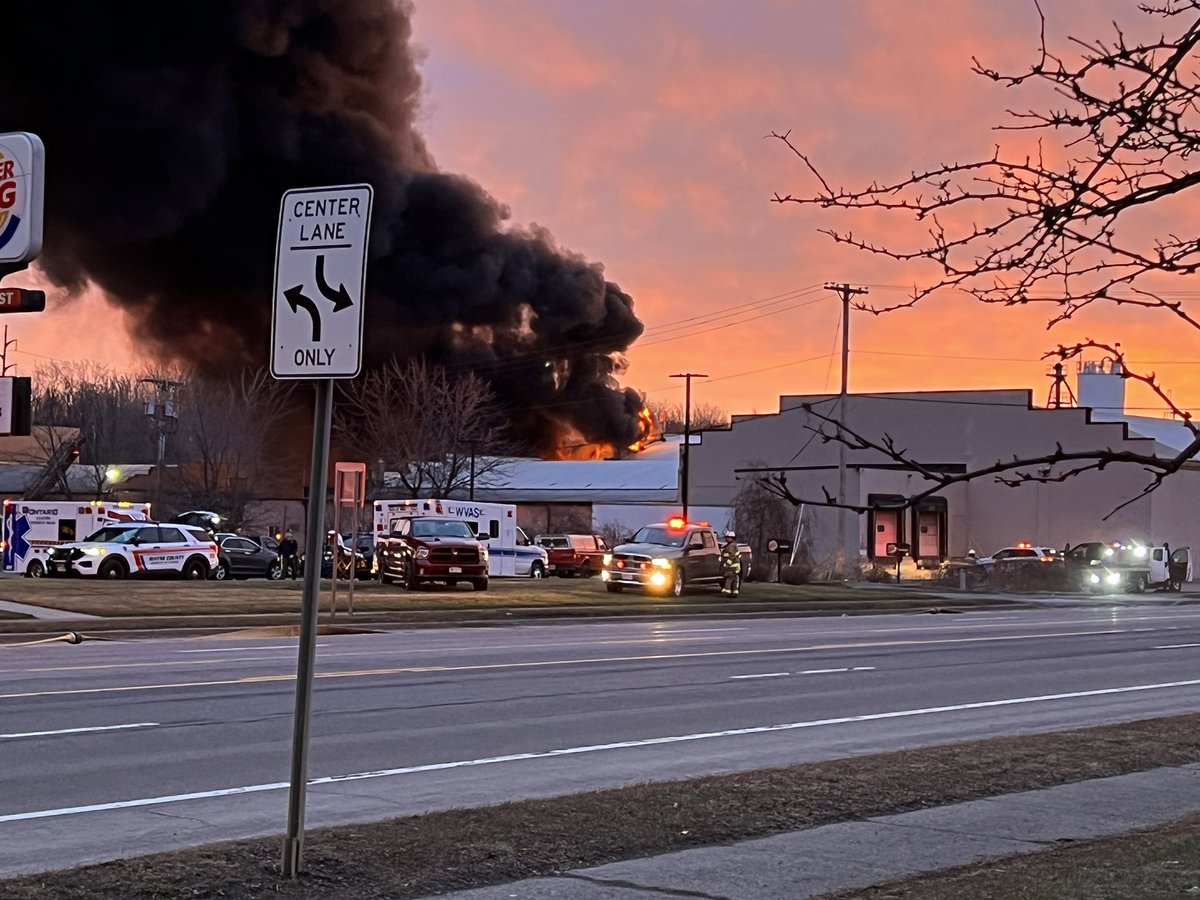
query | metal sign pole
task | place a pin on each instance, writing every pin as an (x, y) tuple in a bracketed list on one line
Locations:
[(354, 518), (336, 539), (293, 844)]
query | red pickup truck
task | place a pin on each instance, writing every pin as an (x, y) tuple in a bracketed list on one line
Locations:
[(569, 555)]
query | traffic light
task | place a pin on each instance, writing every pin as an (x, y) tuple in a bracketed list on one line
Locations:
[(14, 300)]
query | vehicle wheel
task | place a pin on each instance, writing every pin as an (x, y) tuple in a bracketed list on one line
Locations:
[(585, 571), (537, 570), (678, 585), (1175, 586), (275, 572), (410, 578), (35, 569), (195, 569), (479, 584), (113, 568), (615, 588), (1137, 584), (221, 572)]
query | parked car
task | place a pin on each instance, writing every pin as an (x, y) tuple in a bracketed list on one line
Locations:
[(137, 548), (568, 555), (349, 561), (243, 557), (1020, 553)]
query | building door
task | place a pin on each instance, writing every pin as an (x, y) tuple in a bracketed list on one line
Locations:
[(929, 533), (887, 531)]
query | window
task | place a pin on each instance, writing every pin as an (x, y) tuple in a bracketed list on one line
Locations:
[(148, 535), (172, 535), (708, 539), (494, 528), (239, 544)]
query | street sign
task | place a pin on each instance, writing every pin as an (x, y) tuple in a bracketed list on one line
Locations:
[(13, 300), (22, 180), (320, 275), (15, 405)]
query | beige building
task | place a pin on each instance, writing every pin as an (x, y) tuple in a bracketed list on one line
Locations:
[(956, 432)]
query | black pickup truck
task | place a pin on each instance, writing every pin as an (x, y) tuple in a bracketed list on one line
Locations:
[(666, 559)]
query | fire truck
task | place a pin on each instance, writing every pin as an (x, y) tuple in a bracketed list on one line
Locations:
[(31, 527)]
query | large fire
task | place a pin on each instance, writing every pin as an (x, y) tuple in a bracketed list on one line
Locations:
[(646, 424), (573, 446)]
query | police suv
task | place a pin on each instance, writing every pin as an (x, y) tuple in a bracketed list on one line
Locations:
[(137, 548)]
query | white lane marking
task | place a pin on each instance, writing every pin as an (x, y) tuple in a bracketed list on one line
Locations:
[(591, 748), (1174, 646), (30, 734), (243, 649), (807, 672)]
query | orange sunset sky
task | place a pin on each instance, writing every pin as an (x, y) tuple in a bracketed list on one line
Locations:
[(636, 133)]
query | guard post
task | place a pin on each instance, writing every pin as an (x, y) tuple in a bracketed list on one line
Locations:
[(316, 335)]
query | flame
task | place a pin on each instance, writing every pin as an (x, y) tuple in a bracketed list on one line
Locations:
[(646, 425)]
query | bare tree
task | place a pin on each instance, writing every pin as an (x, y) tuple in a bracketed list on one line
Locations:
[(224, 429), (1065, 226), (760, 515), (668, 417), (91, 409), (433, 430)]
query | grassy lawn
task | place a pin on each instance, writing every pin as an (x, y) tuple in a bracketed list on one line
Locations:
[(169, 597)]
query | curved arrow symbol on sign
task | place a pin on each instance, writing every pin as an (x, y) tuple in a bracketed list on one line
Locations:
[(296, 299), (340, 297)]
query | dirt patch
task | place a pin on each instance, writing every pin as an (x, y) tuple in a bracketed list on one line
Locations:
[(420, 855)]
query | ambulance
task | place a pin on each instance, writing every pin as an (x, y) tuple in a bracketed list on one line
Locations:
[(31, 527), (510, 552)]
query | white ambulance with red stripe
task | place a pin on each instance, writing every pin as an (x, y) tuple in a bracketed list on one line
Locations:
[(31, 527)]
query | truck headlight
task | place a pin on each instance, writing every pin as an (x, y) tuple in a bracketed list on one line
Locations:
[(608, 559), (1112, 578), (658, 579), (660, 562), (1094, 578), (422, 552), (483, 554)]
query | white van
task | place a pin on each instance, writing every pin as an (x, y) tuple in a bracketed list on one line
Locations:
[(31, 527), (510, 551)]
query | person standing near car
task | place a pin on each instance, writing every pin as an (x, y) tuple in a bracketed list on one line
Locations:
[(288, 549), (731, 566)]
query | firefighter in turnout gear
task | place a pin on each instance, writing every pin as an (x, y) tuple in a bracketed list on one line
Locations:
[(731, 566)]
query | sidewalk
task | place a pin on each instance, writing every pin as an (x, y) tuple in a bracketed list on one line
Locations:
[(854, 855)]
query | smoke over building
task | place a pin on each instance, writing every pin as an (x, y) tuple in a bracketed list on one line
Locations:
[(171, 133)]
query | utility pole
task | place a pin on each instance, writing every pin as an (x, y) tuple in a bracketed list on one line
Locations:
[(845, 291), (161, 405), (5, 365), (687, 435)]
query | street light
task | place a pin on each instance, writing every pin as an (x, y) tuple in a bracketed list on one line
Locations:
[(687, 436), (160, 401)]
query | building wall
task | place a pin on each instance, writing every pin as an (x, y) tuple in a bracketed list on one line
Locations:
[(970, 429)]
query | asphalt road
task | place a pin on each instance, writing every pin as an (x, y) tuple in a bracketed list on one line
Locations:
[(110, 749)]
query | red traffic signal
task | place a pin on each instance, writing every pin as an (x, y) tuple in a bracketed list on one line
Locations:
[(21, 300)]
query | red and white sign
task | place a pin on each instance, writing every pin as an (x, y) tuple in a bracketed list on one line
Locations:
[(22, 182)]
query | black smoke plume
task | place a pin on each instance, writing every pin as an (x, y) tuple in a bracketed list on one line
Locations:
[(171, 132)]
